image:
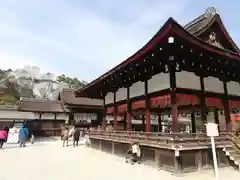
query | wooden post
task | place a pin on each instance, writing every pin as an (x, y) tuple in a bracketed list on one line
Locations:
[(157, 158), (147, 111), (125, 121), (100, 145), (226, 107), (71, 118), (177, 166), (148, 121), (103, 124), (193, 122), (198, 159), (203, 107), (159, 123), (143, 122), (115, 114), (216, 118), (129, 112), (172, 77), (113, 148)]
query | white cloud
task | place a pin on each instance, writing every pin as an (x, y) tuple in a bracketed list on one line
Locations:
[(9, 61), (78, 39)]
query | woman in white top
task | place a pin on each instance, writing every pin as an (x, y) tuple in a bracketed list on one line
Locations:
[(135, 152)]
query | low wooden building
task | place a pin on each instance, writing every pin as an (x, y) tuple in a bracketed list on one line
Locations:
[(47, 117), (82, 111)]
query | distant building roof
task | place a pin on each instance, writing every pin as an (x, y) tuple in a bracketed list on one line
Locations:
[(68, 97), (37, 105)]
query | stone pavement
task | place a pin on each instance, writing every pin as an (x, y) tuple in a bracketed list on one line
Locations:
[(49, 161)]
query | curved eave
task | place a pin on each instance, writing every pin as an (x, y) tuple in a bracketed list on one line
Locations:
[(170, 26), (156, 38), (225, 32), (216, 18)]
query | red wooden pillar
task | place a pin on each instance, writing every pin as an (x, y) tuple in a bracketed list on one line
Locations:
[(103, 123), (115, 125), (172, 77), (202, 98), (129, 122), (159, 123), (148, 121), (143, 122), (129, 112), (147, 111), (227, 108), (115, 114)]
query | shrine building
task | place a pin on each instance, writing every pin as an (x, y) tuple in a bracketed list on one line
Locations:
[(183, 71)]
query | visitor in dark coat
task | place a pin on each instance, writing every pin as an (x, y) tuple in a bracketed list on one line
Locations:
[(23, 135), (76, 136)]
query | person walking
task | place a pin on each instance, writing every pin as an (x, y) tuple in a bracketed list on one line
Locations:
[(76, 136), (65, 137), (3, 137), (32, 140), (23, 134)]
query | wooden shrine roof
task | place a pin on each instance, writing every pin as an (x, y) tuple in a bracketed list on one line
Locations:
[(35, 105), (189, 33), (202, 23), (68, 97)]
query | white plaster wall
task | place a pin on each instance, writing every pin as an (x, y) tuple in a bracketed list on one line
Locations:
[(137, 89), (62, 116), (187, 80), (212, 84), (109, 98), (121, 94), (16, 115), (47, 116), (233, 88), (159, 82)]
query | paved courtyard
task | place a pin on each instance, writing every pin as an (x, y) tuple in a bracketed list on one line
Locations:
[(48, 160)]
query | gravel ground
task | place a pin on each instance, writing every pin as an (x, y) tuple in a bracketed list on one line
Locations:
[(48, 160)]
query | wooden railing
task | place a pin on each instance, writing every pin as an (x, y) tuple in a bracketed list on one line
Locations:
[(181, 141), (235, 141)]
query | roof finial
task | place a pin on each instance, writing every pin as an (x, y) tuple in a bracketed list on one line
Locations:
[(210, 11)]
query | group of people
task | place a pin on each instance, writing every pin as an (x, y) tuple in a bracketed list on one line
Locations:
[(23, 136), (76, 133)]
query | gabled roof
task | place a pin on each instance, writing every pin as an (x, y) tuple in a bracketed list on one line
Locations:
[(202, 23), (68, 98), (171, 26), (36, 105)]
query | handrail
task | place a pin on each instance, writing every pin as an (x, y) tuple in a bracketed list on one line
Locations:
[(175, 136), (235, 141), (170, 140)]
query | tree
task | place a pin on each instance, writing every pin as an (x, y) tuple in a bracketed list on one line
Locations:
[(10, 89), (71, 82)]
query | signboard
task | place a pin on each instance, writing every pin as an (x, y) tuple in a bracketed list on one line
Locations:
[(212, 129)]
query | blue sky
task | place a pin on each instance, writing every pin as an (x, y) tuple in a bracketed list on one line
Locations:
[(85, 38)]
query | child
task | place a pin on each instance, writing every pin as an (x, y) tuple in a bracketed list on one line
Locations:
[(32, 140)]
